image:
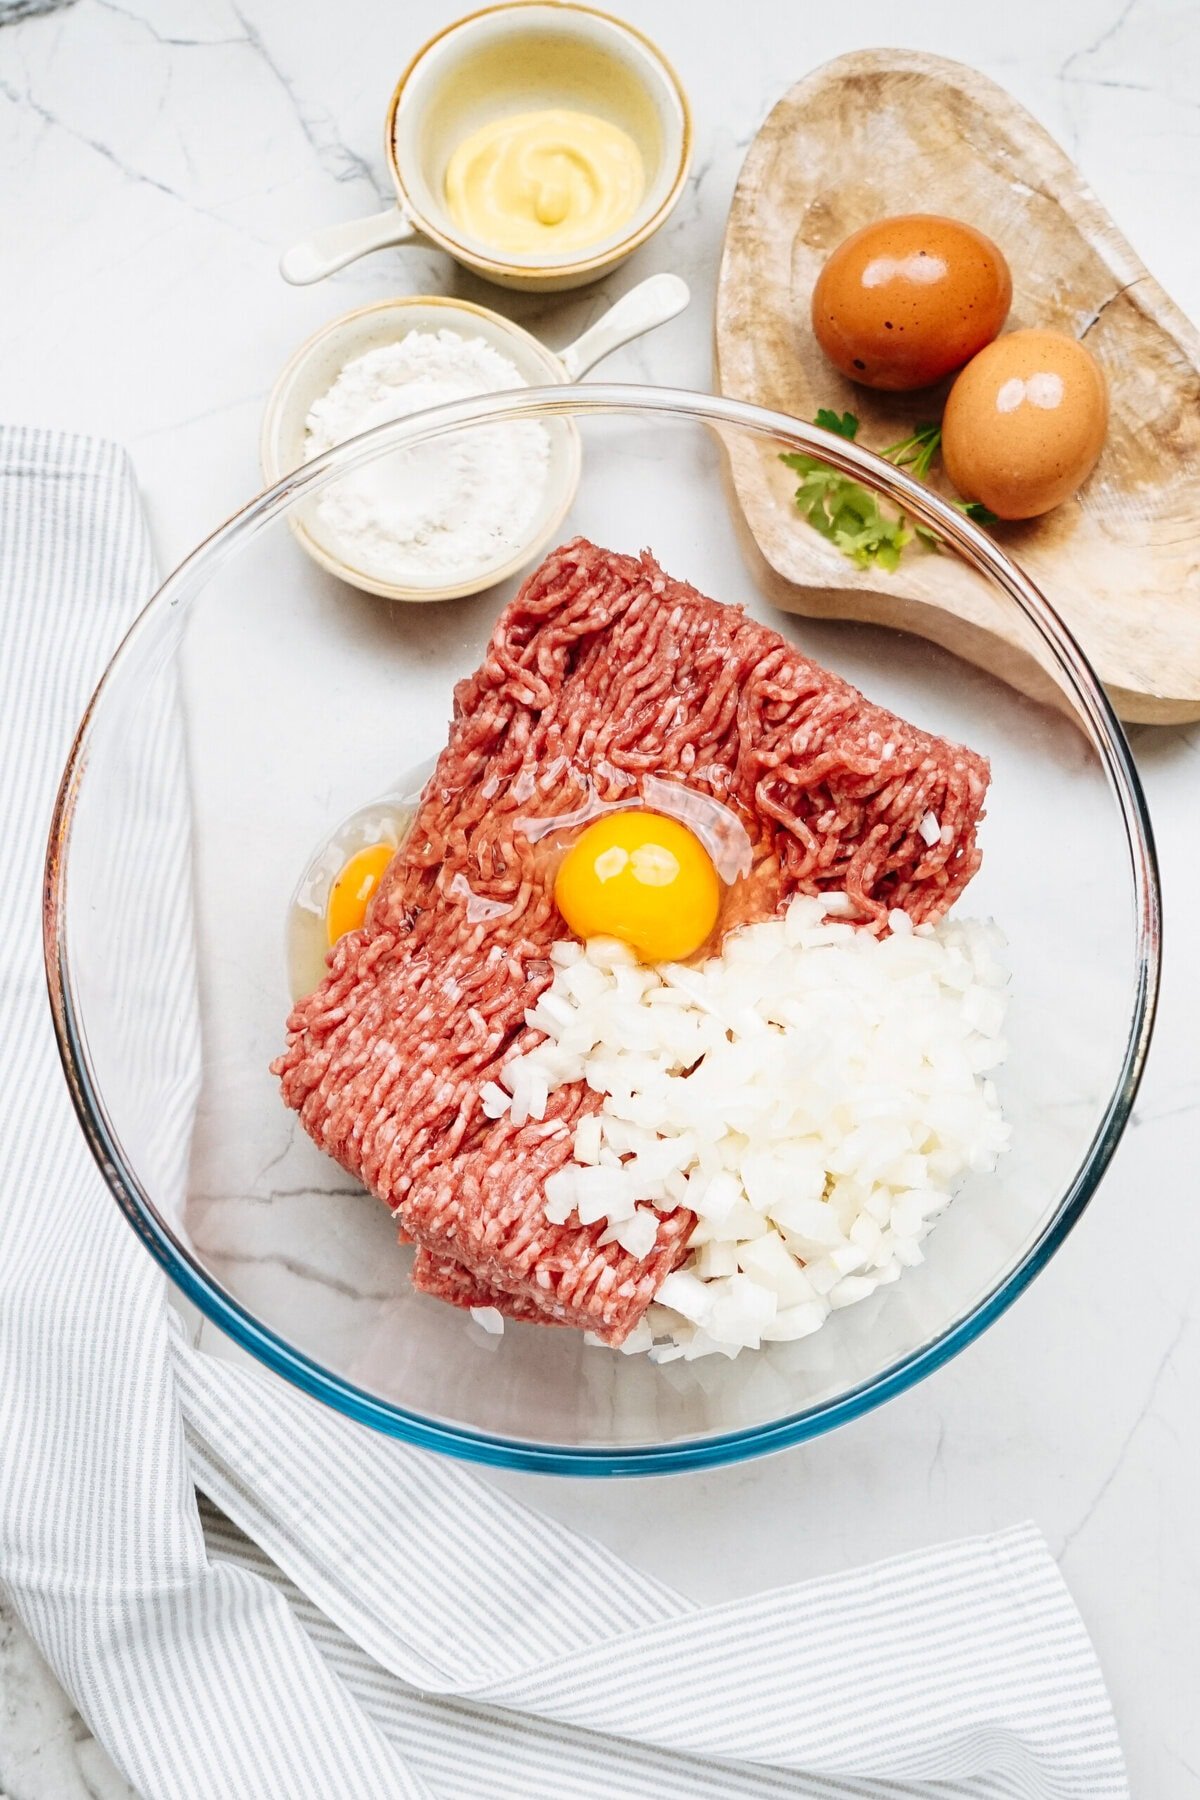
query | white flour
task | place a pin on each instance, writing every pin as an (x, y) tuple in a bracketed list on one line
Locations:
[(441, 510)]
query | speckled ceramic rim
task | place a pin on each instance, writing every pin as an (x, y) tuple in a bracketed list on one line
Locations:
[(614, 252), (1076, 676), (291, 376)]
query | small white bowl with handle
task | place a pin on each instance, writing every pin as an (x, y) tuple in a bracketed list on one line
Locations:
[(316, 365), (521, 56)]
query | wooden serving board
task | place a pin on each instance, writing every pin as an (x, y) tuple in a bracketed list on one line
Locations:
[(890, 131)]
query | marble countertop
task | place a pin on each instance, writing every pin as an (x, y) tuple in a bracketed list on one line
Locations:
[(154, 157)]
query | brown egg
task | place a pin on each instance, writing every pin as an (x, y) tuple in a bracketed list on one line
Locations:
[(1024, 423), (907, 300)]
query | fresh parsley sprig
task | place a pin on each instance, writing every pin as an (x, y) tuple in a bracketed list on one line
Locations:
[(915, 453), (841, 424), (841, 509), (849, 515)]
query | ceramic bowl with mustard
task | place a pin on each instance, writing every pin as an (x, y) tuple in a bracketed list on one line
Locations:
[(538, 143), (420, 526)]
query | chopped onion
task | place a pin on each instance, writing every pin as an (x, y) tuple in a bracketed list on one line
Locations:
[(814, 1095)]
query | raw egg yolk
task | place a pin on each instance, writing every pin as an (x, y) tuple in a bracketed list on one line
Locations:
[(644, 879), (351, 892)]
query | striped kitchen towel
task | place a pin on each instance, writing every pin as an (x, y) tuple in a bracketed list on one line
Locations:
[(441, 1642)]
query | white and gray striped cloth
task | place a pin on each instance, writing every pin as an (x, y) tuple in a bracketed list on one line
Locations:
[(358, 1618)]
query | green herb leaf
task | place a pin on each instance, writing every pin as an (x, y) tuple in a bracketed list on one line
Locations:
[(843, 425), (918, 451), (975, 509), (849, 515)]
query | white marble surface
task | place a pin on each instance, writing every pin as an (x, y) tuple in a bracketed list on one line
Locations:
[(154, 156)]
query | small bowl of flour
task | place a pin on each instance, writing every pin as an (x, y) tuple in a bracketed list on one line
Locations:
[(440, 519)]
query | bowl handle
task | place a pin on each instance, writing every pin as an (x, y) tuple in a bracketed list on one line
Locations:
[(312, 258), (650, 303)]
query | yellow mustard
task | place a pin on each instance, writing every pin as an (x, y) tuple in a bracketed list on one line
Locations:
[(549, 181)]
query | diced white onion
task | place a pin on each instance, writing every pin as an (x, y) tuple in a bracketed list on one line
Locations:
[(587, 1139), (493, 1100), (813, 1095)]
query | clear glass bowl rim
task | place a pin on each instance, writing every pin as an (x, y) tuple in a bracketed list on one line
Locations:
[(980, 552)]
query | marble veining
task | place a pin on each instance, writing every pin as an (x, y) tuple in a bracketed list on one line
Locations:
[(142, 216)]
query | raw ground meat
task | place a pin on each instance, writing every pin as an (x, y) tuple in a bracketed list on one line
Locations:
[(447, 1279), (601, 672)]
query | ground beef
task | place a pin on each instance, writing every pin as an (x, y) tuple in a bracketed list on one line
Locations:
[(601, 672), (449, 1280)]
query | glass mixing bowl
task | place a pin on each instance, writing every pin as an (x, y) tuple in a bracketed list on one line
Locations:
[(257, 701)]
